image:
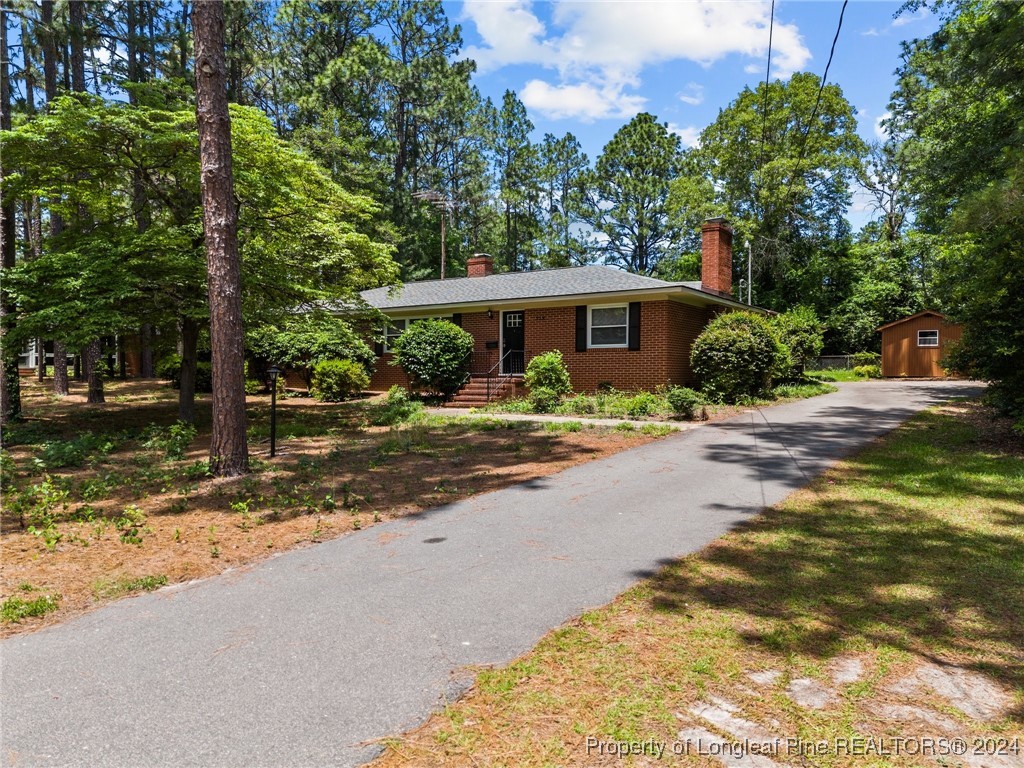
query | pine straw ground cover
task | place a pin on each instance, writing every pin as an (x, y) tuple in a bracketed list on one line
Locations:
[(94, 509), (884, 602)]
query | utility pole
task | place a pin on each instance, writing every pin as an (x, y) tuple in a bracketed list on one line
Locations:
[(750, 274), (445, 205)]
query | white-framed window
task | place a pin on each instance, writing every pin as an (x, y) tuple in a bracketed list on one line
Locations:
[(927, 338), (396, 328), (608, 325)]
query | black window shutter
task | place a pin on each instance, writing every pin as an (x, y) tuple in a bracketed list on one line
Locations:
[(378, 348), (581, 328), (457, 319), (634, 325)]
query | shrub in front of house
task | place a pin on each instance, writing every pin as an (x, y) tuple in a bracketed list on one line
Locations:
[(642, 404), (548, 371), (686, 403), (435, 355), (544, 399), (337, 380), (736, 356)]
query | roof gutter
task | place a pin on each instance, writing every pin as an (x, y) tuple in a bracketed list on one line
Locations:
[(669, 291)]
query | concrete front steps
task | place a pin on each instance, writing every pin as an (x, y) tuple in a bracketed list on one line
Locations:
[(474, 392)]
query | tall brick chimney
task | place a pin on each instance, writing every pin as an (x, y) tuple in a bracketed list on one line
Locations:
[(479, 265), (716, 256)]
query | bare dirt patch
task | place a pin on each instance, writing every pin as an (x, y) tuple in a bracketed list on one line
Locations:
[(127, 518)]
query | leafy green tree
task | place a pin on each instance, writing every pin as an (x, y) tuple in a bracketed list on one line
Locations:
[(303, 239), (303, 339), (960, 107), (802, 333), (629, 190), (789, 197)]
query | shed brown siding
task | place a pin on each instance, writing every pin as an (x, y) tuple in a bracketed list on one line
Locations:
[(902, 357)]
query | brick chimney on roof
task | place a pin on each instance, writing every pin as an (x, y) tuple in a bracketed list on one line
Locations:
[(480, 265), (716, 256)]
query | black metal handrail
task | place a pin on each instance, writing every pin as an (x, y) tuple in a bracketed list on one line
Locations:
[(495, 374)]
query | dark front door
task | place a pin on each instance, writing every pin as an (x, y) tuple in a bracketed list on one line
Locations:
[(513, 342)]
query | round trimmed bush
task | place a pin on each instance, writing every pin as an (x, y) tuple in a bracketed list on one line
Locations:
[(548, 371), (435, 355), (736, 356), (336, 380)]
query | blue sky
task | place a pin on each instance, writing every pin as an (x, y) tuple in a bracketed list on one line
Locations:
[(588, 67)]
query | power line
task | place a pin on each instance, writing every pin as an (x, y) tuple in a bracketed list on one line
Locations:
[(817, 103), (767, 79)]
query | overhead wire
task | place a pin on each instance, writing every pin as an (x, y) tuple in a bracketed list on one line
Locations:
[(814, 112)]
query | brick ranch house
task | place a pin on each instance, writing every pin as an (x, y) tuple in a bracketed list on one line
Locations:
[(612, 327)]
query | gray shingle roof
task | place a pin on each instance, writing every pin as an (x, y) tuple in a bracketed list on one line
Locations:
[(511, 286)]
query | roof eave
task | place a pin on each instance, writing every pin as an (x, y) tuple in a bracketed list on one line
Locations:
[(669, 291)]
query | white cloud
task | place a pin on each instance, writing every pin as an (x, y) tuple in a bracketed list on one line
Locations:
[(689, 134), (870, 32), (583, 101), (693, 94), (513, 35), (602, 48), (880, 132), (904, 19)]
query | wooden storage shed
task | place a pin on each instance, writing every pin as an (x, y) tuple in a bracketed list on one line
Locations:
[(912, 347)]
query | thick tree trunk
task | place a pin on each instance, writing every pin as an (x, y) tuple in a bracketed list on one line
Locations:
[(40, 360), (91, 359), (229, 454), (60, 369), (49, 44), (187, 376), (146, 368), (76, 11), (10, 383)]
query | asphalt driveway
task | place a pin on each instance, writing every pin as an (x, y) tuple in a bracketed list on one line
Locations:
[(306, 658)]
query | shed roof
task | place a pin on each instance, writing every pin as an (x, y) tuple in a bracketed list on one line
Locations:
[(912, 317), (514, 286)]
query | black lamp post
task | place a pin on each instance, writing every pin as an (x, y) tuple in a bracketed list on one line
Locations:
[(273, 372)]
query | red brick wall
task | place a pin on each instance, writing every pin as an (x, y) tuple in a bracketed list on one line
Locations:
[(667, 331), (685, 324), (385, 375)]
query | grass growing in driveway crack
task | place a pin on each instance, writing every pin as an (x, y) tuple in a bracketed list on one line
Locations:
[(884, 602)]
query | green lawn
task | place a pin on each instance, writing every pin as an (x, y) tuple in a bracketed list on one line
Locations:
[(903, 564)]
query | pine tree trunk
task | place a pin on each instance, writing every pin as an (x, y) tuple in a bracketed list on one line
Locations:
[(40, 360), (229, 453), (187, 375), (49, 45), (91, 359), (60, 369), (10, 383), (146, 368), (76, 11)]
